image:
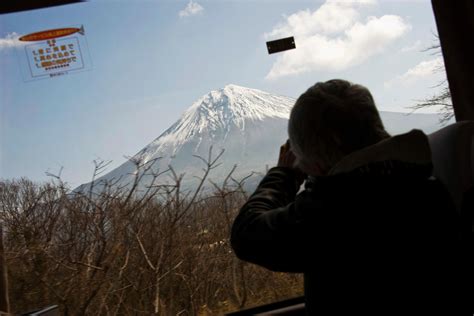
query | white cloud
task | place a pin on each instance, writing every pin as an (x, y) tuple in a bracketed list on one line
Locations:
[(333, 38), (10, 41), (192, 8), (331, 17), (423, 70)]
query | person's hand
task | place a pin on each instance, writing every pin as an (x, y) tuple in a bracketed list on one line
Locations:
[(287, 159)]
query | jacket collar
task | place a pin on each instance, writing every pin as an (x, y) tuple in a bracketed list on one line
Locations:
[(405, 153)]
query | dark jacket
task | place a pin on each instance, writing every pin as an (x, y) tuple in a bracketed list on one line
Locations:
[(377, 236)]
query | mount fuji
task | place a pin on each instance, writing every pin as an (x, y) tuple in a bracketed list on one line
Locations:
[(248, 124)]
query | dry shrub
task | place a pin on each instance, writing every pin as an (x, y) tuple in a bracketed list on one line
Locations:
[(119, 252)]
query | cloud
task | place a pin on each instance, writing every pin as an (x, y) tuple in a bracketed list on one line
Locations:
[(192, 8), (423, 70), (333, 38), (331, 17), (10, 41)]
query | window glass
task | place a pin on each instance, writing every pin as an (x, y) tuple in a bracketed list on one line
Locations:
[(153, 84)]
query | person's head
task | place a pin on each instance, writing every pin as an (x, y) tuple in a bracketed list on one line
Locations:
[(331, 120)]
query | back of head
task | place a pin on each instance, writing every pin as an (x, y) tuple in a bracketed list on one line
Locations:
[(331, 120)]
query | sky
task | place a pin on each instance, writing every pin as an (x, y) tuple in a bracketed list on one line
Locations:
[(148, 61)]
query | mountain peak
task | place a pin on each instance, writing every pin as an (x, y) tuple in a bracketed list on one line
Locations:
[(235, 103), (230, 91), (233, 88), (221, 111)]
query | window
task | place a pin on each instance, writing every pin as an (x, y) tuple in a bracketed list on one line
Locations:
[(160, 82)]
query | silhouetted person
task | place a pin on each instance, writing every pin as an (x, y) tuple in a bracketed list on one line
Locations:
[(373, 232)]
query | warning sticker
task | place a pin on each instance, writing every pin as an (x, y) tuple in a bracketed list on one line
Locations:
[(54, 57), (54, 53)]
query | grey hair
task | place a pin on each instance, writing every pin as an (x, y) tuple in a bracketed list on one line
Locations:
[(331, 120)]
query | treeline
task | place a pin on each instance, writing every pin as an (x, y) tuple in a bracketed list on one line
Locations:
[(160, 251)]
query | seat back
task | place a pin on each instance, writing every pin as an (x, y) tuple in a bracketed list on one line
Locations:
[(452, 150)]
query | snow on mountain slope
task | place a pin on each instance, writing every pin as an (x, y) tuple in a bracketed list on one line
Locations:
[(218, 114), (249, 124)]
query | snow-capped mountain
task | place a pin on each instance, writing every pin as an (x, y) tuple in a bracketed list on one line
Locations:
[(248, 124)]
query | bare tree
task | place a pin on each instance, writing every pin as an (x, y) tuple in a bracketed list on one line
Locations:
[(441, 99), (119, 249)]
